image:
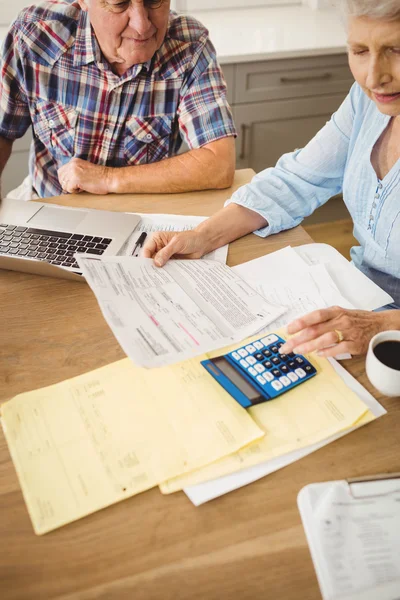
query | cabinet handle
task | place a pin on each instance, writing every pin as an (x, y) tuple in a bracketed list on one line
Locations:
[(323, 77), (243, 135)]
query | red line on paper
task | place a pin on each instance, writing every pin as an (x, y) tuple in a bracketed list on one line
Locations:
[(189, 334)]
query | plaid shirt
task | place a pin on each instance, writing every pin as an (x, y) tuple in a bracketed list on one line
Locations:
[(54, 77)]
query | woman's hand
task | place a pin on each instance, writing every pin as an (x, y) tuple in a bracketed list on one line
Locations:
[(162, 245), (332, 331)]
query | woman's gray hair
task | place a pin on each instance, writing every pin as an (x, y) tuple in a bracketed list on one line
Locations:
[(375, 9)]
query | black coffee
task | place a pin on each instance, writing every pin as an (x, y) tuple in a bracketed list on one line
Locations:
[(389, 353)]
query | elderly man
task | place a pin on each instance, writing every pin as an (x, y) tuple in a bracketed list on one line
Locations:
[(111, 88)]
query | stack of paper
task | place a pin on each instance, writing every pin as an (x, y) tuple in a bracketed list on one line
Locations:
[(175, 426), (209, 490), (309, 277), (301, 279), (94, 440), (303, 416)]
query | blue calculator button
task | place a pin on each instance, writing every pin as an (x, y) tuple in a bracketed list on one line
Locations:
[(236, 356), (275, 360), (258, 345), (276, 372), (292, 364), (293, 377), (268, 376), (259, 356), (243, 353), (251, 360), (267, 364), (284, 369), (277, 385), (284, 380), (274, 349), (244, 363), (261, 379), (250, 349), (259, 368), (299, 360), (291, 355), (254, 372), (300, 373), (309, 369), (284, 357), (267, 353)]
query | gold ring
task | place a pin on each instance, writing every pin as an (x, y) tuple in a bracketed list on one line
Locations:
[(339, 336)]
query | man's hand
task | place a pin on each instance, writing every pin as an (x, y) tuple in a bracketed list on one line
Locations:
[(82, 176), (162, 245), (322, 331)]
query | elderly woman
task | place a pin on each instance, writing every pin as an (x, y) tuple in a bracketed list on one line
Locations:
[(356, 153)]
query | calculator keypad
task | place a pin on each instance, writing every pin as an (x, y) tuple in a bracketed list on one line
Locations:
[(271, 372)]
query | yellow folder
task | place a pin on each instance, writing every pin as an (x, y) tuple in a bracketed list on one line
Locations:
[(88, 442), (303, 416)]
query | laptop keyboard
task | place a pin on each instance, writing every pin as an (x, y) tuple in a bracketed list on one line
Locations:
[(55, 247)]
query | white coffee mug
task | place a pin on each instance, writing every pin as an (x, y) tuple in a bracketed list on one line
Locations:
[(385, 379)]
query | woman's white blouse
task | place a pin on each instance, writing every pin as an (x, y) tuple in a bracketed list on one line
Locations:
[(338, 159)]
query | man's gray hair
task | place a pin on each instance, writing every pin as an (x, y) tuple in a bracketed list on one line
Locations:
[(375, 9)]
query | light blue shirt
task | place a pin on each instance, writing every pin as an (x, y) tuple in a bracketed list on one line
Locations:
[(338, 160)]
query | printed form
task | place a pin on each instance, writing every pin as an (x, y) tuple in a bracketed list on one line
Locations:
[(162, 316), (134, 427), (353, 533), (303, 416)]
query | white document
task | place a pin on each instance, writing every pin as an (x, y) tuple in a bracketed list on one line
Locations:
[(150, 223), (163, 316), (209, 490), (360, 291), (353, 530), (284, 262), (300, 293)]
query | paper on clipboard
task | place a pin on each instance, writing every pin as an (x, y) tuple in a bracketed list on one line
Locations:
[(353, 534)]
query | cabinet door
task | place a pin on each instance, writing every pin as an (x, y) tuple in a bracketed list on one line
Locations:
[(280, 79), (269, 129)]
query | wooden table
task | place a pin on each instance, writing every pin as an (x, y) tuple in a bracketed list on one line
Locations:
[(249, 544)]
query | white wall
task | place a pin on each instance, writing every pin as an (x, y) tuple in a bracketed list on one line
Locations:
[(10, 8), (197, 5)]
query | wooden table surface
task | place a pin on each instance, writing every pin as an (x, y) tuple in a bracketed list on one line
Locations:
[(248, 544)]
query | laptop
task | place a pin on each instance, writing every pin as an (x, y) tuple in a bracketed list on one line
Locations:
[(43, 238)]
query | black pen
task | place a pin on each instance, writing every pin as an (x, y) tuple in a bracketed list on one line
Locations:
[(139, 244)]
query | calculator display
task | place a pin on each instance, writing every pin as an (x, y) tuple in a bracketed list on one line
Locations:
[(236, 378)]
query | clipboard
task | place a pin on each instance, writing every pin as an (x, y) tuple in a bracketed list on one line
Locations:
[(353, 533)]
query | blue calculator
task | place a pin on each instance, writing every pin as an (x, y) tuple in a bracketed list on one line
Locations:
[(257, 372)]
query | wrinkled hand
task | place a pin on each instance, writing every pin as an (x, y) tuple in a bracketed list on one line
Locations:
[(318, 331), (162, 245), (80, 175)]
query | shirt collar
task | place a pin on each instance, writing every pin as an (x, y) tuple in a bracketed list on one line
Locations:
[(86, 47)]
